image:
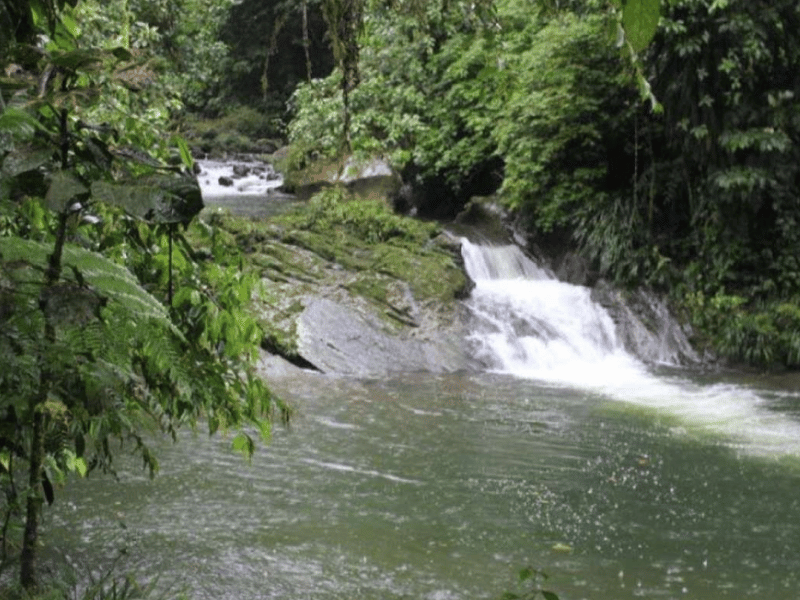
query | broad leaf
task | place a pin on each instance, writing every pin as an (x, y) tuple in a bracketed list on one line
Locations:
[(107, 278), (63, 188), (74, 60), (122, 53), (640, 19), (18, 122), (26, 158), (157, 199)]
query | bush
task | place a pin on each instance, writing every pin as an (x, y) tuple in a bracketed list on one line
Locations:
[(369, 220), (765, 334)]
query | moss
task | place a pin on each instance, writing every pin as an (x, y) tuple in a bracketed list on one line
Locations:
[(241, 129), (337, 247)]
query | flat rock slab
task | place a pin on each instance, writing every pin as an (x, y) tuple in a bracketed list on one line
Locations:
[(337, 339)]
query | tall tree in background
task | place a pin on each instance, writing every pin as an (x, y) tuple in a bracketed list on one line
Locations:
[(345, 19), (280, 42)]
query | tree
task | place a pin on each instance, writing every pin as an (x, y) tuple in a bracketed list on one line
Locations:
[(89, 350), (274, 45), (345, 24)]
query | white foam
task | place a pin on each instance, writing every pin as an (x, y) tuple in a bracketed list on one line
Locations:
[(531, 325), (260, 180)]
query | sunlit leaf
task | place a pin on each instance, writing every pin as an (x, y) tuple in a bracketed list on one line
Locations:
[(244, 443), (640, 19), (183, 148)]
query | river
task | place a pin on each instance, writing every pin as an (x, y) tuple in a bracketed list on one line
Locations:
[(620, 480)]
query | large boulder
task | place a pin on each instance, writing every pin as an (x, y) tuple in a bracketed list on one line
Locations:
[(373, 178), (645, 325), (336, 338)]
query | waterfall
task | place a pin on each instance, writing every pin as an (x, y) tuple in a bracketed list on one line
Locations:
[(528, 324)]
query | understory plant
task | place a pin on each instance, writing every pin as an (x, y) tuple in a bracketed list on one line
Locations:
[(110, 326)]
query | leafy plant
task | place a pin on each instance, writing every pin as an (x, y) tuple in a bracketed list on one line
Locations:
[(530, 582), (94, 344)]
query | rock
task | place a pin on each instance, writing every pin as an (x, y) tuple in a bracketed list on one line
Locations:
[(241, 170), (484, 216), (373, 178), (339, 339), (645, 326), (265, 146), (226, 181), (572, 268)]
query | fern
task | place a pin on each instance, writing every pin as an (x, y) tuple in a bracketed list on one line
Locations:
[(106, 277)]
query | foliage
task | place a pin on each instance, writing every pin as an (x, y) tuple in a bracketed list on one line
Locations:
[(267, 54), (369, 220), (530, 581), (764, 334), (403, 67), (95, 345)]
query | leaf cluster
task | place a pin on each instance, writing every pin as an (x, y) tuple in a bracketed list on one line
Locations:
[(95, 346)]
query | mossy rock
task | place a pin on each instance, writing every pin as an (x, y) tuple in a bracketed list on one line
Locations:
[(400, 275)]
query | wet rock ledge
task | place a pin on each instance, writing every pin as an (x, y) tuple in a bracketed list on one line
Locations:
[(352, 288)]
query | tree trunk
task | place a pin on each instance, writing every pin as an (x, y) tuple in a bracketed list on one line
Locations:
[(34, 501), (33, 505), (345, 20), (306, 40)]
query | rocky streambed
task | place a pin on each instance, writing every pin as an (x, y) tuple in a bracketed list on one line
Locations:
[(352, 288)]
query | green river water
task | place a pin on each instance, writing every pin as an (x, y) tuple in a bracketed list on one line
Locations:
[(443, 487), (619, 481)]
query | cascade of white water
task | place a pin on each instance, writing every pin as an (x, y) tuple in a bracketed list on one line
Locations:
[(529, 324)]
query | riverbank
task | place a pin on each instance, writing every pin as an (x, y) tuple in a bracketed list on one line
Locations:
[(349, 286)]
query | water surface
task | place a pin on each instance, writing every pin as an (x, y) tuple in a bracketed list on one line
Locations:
[(442, 487)]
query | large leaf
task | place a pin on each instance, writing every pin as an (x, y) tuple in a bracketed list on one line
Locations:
[(80, 59), (156, 199), (26, 158), (63, 188), (640, 20), (107, 278)]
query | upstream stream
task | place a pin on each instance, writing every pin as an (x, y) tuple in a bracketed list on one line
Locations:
[(566, 453)]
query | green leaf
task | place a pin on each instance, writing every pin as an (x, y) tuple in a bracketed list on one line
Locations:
[(549, 595), (64, 186), (19, 122), (244, 443), (77, 464), (640, 20), (48, 488), (121, 53), (108, 278), (24, 159), (526, 573), (183, 148), (75, 60), (157, 199)]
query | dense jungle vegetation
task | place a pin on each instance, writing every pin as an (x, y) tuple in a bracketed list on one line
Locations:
[(664, 149), (672, 164)]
